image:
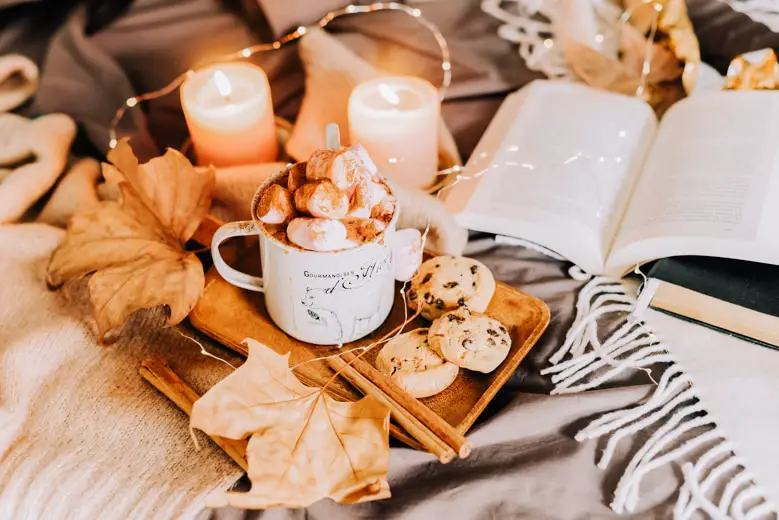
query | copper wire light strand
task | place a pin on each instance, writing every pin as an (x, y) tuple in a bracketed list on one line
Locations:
[(446, 66), (657, 8)]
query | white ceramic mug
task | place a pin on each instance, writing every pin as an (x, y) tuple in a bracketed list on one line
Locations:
[(324, 298)]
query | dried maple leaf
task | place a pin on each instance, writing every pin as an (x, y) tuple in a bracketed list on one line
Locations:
[(599, 70), (136, 248), (675, 27), (623, 75), (663, 65), (304, 445)]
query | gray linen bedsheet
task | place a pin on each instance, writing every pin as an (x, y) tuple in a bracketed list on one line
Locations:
[(526, 463)]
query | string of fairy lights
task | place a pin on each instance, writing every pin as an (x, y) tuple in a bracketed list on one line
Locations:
[(248, 52), (646, 65), (415, 14)]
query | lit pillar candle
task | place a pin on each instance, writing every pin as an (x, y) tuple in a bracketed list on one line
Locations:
[(396, 119), (230, 115)]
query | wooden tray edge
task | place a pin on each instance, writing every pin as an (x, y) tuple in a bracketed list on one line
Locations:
[(543, 318)]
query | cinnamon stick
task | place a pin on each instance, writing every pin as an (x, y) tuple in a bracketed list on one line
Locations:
[(156, 371), (429, 440), (442, 429)]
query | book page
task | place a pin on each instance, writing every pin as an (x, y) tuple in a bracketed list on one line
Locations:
[(708, 185), (562, 170)]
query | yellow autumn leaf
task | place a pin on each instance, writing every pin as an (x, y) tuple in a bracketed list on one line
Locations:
[(600, 71), (135, 250), (623, 75), (303, 445)]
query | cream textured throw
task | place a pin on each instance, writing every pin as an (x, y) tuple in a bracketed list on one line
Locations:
[(736, 381), (34, 152), (18, 81), (81, 434)]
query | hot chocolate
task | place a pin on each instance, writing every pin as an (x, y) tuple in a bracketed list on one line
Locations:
[(334, 201)]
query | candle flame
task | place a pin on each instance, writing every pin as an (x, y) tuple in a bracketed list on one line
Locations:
[(388, 94), (222, 84)]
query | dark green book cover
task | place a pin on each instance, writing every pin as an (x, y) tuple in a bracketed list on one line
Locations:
[(747, 284)]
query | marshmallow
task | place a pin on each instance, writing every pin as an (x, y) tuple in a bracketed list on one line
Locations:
[(359, 201), (406, 254), (365, 159), (275, 206), (318, 234), (296, 177), (341, 167), (376, 193), (384, 209), (363, 229), (322, 199), (364, 195)]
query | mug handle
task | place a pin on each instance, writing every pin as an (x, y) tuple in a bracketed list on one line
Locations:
[(234, 276)]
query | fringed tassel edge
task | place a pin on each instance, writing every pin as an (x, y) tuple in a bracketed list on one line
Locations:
[(673, 405)]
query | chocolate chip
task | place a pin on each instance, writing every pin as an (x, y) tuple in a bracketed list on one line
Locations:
[(503, 329), (492, 332), (427, 278), (422, 332), (451, 285), (437, 266), (474, 284), (439, 304), (504, 342), (467, 342), (474, 268), (455, 317), (412, 295), (491, 342), (461, 302), (429, 298)]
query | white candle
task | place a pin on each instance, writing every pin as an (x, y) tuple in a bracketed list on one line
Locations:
[(230, 115), (396, 119)]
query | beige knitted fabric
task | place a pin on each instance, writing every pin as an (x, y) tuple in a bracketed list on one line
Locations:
[(18, 81), (81, 434)]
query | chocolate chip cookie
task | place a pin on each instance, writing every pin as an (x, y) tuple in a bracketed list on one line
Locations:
[(470, 340), (445, 283), (410, 362)]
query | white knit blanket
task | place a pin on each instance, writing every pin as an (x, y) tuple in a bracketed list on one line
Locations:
[(701, 408), (76, 418), (737, 381)]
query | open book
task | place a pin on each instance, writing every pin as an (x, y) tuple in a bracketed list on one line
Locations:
[(592, 176)]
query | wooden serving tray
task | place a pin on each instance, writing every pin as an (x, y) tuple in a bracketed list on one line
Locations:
[(230, 314)]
